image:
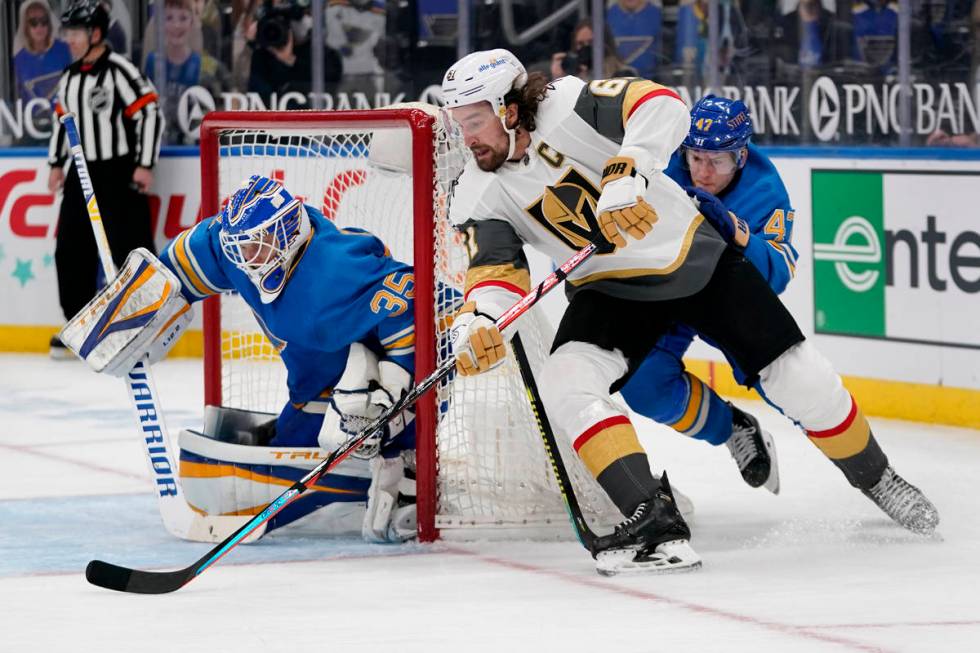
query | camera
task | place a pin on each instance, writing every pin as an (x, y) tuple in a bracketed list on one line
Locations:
[(275, 22), (573, 60)]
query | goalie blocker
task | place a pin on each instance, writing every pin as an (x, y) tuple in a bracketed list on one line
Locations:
[(140, 312)]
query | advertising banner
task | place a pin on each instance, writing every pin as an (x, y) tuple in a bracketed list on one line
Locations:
[(897, 255)]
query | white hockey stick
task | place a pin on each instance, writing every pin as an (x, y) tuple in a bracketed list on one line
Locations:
[(178, 517)]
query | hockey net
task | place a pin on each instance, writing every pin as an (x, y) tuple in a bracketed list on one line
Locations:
[(481, 467)]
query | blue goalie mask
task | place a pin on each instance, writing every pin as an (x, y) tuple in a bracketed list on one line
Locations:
[(719, 125), (262, 229)]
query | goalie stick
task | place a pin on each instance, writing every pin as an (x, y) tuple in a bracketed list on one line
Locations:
[(585, 534), (178, 517), (124, 579)]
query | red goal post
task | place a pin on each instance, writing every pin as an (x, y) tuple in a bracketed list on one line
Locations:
[(480, 465)]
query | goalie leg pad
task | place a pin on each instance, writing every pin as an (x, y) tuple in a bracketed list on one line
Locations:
[(225, 478), (384, 520), (140, 312)]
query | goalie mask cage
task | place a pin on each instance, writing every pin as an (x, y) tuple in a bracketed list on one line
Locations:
[(481, 468)]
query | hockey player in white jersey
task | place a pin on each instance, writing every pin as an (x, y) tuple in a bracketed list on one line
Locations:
[(557, 165)]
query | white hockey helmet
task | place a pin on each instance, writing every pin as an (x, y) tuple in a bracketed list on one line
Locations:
[(485, 76), (488, 75)]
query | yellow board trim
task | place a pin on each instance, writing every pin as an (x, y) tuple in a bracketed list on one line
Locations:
[(33, 339), (916, 402)]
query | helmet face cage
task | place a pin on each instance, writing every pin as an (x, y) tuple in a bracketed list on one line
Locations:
[(262, 226), (719, 125)]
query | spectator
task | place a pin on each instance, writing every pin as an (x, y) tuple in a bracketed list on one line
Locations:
[(806, 35), (578, 59), (207, 15), (242, 37), (119, 125), (354, 28), (636, 26), (875, 33), (281, 58), (40, 58), (184, 66), (692, 34), (940, 138), (119, 26)]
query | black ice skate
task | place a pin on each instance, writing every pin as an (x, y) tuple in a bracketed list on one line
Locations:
[(754, 451), (655, 539), (904, 503)]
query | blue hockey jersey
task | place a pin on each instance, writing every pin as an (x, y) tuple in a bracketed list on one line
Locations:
[(758, 196), (343, 287), (637, 34)]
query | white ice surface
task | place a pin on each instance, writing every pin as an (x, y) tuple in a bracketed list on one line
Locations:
[(817, 568)]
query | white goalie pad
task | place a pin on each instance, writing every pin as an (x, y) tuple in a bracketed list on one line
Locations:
[(140, 312), (226, 478)]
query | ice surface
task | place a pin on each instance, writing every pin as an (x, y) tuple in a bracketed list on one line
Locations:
[(817, 568)]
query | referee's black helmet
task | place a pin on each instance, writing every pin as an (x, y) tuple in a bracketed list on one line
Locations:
[(86, 13)]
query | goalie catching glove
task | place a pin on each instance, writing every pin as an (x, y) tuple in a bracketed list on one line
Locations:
[(621, 206), (476, 341), (366, 389), (139, 313)]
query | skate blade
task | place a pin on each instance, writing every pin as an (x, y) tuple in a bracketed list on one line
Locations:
[(672, 557), (772, 483)]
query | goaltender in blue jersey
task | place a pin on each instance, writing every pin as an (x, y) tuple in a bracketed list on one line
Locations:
[(339, 310), (718, 159)]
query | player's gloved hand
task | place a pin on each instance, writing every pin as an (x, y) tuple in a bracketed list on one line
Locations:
[(621, 206), (732, 228), (356, 403), (477, 343)]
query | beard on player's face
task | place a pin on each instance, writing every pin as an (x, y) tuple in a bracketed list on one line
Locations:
[(490, 157)]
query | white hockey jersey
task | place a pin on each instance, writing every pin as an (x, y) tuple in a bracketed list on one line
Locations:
[(548, 199)]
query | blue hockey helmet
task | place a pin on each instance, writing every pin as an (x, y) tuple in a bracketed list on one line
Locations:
[(262, 228), (719, 124)]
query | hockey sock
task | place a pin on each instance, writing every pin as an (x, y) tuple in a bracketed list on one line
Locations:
[(706, 416), (852, 448), (612, 452)]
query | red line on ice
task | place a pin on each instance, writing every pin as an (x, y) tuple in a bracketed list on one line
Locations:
[(786, 629)]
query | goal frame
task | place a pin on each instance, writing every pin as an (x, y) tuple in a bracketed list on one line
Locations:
[(420, 125)]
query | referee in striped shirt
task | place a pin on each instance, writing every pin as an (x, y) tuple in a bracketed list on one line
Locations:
[(120, 124)]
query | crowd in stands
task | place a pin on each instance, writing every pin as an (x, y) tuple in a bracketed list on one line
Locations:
[(389, 47)]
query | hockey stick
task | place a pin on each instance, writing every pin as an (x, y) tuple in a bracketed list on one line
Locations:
[(124, 579), (585, 534), (178, 517)]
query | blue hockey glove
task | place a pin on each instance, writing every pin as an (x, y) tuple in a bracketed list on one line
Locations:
[(732, 228)]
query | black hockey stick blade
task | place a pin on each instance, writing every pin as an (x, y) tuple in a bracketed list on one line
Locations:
[(123, 579)]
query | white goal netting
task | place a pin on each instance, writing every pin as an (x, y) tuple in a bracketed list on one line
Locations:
[(493, 477)]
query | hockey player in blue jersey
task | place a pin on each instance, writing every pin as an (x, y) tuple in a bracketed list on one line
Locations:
[(717, 159), (338, 309)]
